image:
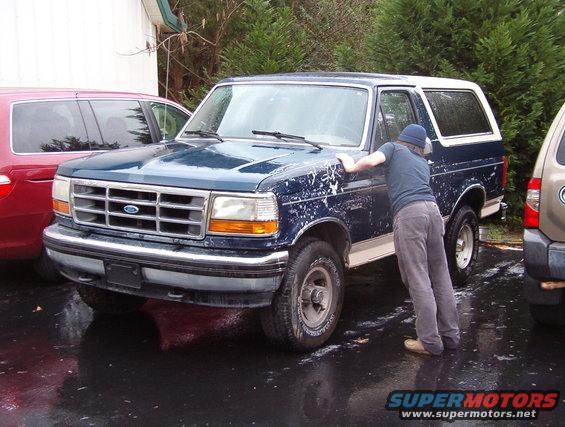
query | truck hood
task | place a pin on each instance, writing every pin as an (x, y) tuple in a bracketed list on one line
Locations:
[(225, 166)]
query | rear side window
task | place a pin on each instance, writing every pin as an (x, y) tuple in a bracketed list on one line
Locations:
[(458, 113), (170, 119), (398, 113), (48, 126), (122, 124), (561, 151)]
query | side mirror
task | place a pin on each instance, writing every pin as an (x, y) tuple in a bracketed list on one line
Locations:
[(429, 149)]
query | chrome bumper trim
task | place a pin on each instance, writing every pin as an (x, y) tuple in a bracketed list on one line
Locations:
[(503, 208), (55, 235)]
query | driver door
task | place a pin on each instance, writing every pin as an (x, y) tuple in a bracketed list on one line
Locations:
[(395, 110)]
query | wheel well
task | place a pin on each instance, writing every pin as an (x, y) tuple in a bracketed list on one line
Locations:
[(474, 198), (334, 234)]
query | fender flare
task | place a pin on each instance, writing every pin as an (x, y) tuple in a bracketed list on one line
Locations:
[(319, 221), (468, 189)]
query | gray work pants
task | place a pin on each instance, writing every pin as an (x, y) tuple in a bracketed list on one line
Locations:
[(418, 240)]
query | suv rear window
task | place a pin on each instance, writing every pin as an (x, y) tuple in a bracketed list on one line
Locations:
[(48, 126), (122, 123), (458, 113)]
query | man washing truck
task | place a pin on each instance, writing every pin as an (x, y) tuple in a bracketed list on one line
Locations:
[(418, 238)]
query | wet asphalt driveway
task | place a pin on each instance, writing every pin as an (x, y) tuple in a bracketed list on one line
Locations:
[(175, 364)]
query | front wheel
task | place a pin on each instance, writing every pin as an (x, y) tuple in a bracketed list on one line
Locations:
[(462, 244), (103, 301), (307, 306)]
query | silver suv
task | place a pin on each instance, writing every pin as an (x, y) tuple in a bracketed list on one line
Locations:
[(544, 229)]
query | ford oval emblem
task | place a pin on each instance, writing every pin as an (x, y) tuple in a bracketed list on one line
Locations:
[(562, 195), (131, 209)]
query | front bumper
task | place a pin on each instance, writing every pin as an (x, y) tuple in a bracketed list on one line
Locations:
[(220, 278)]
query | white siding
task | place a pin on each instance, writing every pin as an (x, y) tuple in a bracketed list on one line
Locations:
[(85, 44)]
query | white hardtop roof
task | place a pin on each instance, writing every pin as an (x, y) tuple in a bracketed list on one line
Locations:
[(368, 79), (440, 83)]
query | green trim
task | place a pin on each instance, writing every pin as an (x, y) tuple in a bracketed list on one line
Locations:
[(169, 17)]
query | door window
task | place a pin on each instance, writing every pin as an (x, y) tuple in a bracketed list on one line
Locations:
[(397, 112), (47, 127), (122, 124), (169, 119)]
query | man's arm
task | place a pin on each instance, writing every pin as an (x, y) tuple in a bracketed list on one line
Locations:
[(364, 163)]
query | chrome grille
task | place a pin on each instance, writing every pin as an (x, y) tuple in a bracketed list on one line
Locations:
[(150, 209)]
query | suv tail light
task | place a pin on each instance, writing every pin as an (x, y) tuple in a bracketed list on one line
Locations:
[(6, 186), (504, 170), (531, 207)]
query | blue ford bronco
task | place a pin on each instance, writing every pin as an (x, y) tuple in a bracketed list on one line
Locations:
[(249, 207)]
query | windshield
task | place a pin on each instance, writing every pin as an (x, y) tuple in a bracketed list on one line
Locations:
[(332, 115)]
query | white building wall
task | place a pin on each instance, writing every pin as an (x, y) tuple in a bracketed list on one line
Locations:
[(85, 44)]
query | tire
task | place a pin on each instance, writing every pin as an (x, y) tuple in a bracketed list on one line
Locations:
[(103, 301), (46, 269), (463, 226), (301, 324), (549, 314)]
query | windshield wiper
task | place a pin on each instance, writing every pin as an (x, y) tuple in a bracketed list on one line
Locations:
[(284, 136), (204, 134)]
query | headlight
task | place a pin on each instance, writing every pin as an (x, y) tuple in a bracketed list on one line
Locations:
[(61, 190), (244, 215)]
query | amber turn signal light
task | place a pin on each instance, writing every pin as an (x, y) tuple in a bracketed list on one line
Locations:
[(243, 227), (61, 207)]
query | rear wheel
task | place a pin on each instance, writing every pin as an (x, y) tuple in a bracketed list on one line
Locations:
[(307, 306), (462, 244), (109, 302), (549, 314)]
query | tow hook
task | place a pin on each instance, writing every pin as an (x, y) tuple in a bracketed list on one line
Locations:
[(86, 278), (175, 295)]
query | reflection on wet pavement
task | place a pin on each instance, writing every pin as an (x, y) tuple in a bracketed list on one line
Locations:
[(180, 364)]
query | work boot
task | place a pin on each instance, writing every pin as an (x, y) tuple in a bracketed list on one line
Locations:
[(416, 346)]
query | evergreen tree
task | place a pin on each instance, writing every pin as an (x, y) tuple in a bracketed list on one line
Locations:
[(271, 42), (334, 29), (512, 48)]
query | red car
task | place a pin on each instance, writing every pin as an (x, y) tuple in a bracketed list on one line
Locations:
[(40, 128)]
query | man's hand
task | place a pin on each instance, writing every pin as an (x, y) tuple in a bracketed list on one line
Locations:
[(346, 160), (364, 163)]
